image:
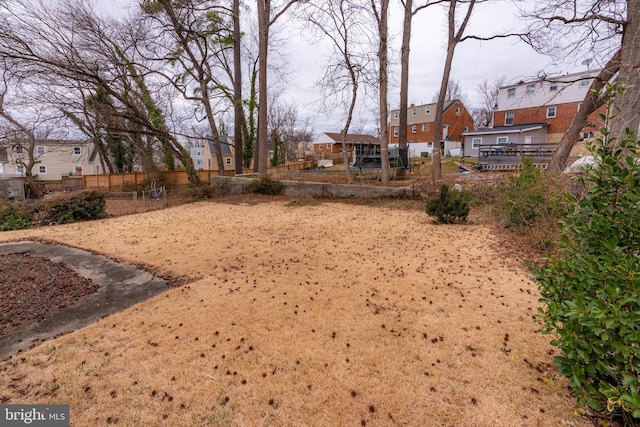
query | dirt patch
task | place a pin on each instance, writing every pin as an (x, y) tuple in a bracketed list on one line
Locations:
[(32, 288)]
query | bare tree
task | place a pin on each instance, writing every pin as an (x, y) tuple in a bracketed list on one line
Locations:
[(454, 91), (23, 135), (409, 12), (608, 29), (455, 35), (341, 22), (381, 15), (488, 91), (196, 31), (266, 18), (69, 41)]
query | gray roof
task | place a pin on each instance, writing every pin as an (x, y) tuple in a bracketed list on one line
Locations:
[(224, 146), (507, 129)]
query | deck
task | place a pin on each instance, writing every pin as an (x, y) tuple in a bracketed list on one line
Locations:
[(508, 156)]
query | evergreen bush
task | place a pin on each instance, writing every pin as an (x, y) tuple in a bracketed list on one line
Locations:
[(13, 217), (82, 207), (449, 206), (266, 185), (591, 289)]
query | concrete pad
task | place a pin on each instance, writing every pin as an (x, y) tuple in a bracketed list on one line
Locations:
[(119, 287)]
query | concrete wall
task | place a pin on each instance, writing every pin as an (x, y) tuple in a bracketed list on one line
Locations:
[(235, 185)]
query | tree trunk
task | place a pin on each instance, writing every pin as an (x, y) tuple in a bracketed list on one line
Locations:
[(383, 31), (237, 89), (404, 82), (264, 11), (625, 105), (590, 104)]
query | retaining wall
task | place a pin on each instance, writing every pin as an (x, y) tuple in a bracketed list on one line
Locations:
[(236, 185)]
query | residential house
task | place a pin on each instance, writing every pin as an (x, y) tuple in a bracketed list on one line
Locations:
[(209, 160), (524, 106), (54, 158), (197, 155), (532, 134), (331, 143), (421, 124)]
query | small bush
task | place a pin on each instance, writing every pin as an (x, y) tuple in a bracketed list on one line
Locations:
[(82, 207), (449, 206), (266, 185), (13, 217), (591, 289), (529, 197)]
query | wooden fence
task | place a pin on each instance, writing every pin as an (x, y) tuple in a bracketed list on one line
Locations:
[(134, 180)]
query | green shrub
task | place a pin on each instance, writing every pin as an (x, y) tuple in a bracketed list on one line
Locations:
[(529, 197), (82, 207), (266, 185), (13, 217), (591, 290), (449, 206)]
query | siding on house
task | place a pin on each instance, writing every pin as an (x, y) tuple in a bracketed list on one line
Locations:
[(529, 102), (534, 133), (421, 121), (54, 158)]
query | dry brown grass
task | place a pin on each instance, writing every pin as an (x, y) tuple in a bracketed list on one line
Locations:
[(306, 314)]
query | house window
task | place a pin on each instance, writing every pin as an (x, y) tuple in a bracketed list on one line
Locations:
[(40, 150), (457, 111), (587, 135), (395, 131), (530, 90), (584, 82), (465, 129), (414, 112), (228, 161), (395, 115), (579, 105), (20, 169), (198, 153), (425, 127), (42, 170), (553, 87), (17, 149), (199, 162), (328, 146), (77, 151), (551, 112), (502, 140), (511, 93), (476, 142), (429, 144), (508, 118), (427, 110), (414, 129)]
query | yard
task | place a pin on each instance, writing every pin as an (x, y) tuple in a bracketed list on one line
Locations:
[(302, 313)]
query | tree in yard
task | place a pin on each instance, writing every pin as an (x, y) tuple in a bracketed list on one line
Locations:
[(409, 12), (454, 91), (341, 22), (189, 35), (266, 18), (455, 36), (75, 47), (488, 91), (381, 15), (23, 134), (581, 28)]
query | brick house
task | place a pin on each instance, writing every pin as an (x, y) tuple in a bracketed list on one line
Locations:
[(554, 100), (331, 142), (421, 119)]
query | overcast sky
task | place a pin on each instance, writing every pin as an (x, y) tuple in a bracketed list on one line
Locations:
[(474, 61)]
